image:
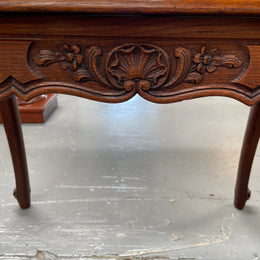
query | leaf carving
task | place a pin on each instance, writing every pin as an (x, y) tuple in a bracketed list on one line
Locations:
[(230, 61), (184, 62), (91, 55), (81, 75), (45, 58), (194, 77), (137, 67)]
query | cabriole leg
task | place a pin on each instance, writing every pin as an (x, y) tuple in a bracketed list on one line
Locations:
[(242, 193), (12, 124)]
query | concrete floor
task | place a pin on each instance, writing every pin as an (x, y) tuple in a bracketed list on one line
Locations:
[(132, 181)]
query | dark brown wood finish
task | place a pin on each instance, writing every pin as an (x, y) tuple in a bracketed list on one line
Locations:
[(12, 124), (82, 48), (231, 7), (180, 43), (242, 193)]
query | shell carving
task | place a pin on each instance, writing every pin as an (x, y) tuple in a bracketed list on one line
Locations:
[(136, 65)]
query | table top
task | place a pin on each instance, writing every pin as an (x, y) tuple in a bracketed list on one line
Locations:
[(193, 7)]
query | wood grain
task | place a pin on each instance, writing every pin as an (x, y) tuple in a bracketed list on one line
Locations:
[(57, 25), (111, 58), (220, 7)]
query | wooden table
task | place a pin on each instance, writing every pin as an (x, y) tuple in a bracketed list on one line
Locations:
[(165, 51)]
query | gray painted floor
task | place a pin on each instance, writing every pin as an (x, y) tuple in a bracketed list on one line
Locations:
[(132, 181)]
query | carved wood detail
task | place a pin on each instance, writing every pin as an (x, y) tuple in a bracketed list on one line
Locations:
[(139, 66), (161, 75)]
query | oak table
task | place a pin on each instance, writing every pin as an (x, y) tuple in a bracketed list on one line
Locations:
[(165, 51)]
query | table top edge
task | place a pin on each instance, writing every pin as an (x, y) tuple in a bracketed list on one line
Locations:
[(190, 7)]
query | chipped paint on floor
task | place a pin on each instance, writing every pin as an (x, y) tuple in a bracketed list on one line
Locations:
[(45, 255)]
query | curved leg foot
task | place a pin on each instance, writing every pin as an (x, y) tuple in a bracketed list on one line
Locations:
[(12, 124), (23, 199), (242, 193)]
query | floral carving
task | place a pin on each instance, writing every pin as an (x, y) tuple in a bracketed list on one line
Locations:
[(137, 67), (68, 57), (207, 60)]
